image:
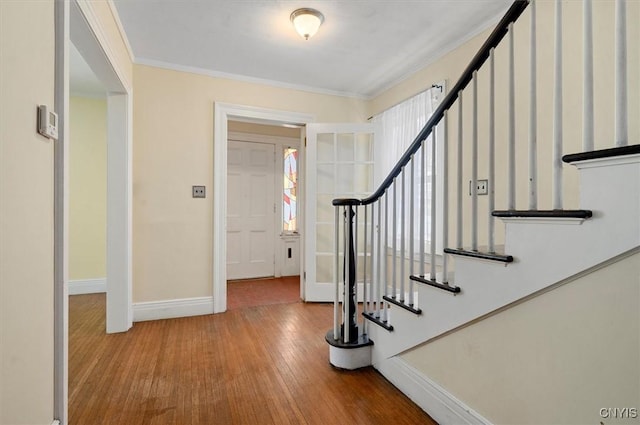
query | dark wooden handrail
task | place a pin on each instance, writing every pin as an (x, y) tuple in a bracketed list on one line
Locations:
[(478, 60)]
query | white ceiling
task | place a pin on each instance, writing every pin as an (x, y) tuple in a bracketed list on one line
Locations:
[(363, 47)]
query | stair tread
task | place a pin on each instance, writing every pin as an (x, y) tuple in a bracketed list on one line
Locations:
[(401, 304), (436, 284), (543, 213), (377, 321), (492, 256), (602, 153)]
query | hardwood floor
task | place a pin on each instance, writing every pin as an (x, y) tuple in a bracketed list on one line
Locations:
[(261, 365)]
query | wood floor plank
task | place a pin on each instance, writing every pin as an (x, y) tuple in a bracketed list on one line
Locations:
[(258, 365)]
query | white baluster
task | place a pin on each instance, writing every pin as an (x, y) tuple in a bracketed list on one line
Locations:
[(557, 111), (402, 236), (511, 179), (423, 195), (621, 73), (533, 115), (411, 227), (384, 256), (445, 197), (355, 258), (587, 103), (474, 164), (492, 149), (365, 288), (394, 238), (459, 240), (379, 280), (432, 238)]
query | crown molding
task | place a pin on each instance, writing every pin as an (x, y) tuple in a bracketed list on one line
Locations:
[(244, 78), (123, 34)]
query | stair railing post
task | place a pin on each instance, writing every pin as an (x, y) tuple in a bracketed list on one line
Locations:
[(336, 275), (355, 263), (349, 325)]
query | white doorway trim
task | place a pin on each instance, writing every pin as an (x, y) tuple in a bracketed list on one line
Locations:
[(76, 20), (88, 37), (224, 112)]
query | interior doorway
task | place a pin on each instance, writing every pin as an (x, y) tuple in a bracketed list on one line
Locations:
[(263, 240), (226, 117), (119, 168)]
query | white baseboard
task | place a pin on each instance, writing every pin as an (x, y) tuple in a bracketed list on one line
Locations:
[(87, 286), (168, 309), (442, 406), (55, 422)]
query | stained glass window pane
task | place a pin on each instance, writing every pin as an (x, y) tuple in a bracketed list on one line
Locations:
[(289, 210)]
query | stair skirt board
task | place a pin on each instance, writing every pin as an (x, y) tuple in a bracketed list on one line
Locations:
[(88, 286), (169, 309), (442, 406)]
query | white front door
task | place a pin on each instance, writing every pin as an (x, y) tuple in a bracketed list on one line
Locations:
[(339, 165), (250, 210)]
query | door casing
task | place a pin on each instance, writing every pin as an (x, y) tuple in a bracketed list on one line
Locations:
[(223, 112)]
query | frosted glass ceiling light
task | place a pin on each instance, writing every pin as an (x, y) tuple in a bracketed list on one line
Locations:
[(306, 21)]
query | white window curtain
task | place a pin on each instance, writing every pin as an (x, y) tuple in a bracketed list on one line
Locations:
[(398, 127)]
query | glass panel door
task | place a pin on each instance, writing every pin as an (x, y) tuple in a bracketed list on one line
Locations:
[(339, 165)]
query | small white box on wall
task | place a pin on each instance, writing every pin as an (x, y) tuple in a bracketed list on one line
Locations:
[(290, 256)]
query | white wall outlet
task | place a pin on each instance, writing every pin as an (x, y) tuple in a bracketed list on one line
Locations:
[(482, 187), (198, 192)]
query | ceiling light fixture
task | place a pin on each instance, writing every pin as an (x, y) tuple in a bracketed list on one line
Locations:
[(306, 21)]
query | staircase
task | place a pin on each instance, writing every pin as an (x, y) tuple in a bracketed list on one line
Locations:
[(412, 292)]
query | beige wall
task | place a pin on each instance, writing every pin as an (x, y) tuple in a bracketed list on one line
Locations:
[(26, 208), (87, 188), (173, 150), (451, 66), (558, 358)]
